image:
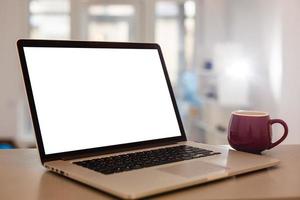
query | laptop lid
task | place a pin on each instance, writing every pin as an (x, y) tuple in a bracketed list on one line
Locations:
[(94, 97)]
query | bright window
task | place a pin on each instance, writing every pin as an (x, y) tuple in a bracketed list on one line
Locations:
[(49, 19), (174, 31), (110, 22)]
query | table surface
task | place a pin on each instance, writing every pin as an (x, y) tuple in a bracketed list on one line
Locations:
[(23, 177)]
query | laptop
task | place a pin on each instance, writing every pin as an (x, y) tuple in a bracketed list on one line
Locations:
[(104, 114)]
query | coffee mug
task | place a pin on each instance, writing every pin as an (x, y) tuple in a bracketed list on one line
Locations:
[(251, 131)]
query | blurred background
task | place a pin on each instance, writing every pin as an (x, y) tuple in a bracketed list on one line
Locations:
[(222, 55)]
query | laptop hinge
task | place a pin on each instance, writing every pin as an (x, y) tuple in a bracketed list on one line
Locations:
[(116, 151)]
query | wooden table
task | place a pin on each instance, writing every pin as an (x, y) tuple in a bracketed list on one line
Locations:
[(22, 177)]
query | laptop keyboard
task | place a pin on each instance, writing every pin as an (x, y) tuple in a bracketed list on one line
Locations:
[(138, 160)]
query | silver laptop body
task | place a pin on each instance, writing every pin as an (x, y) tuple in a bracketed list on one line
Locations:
[(97, 105)]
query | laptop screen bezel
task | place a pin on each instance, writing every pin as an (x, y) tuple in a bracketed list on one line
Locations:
[(88, 44)]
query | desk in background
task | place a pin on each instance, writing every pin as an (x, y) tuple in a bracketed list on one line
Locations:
[(22, 177)]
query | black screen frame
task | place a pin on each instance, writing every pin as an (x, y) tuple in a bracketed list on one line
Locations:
[(91, 44)]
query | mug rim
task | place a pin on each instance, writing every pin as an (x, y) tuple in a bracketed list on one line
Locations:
[(250, 113)]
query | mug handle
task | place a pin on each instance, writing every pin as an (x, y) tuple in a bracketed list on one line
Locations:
[(273, 121)]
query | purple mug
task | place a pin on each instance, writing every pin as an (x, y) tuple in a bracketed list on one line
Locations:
[(251, 131)]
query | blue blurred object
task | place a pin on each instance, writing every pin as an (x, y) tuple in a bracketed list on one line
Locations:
[(6, 146), (208, 65), (189, 84)]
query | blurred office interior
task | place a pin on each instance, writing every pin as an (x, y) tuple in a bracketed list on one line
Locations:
[(221, 55)]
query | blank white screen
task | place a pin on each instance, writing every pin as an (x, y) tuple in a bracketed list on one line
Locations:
[(94, 97)]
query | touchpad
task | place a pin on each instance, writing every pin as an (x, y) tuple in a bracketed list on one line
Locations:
[(192, 169)]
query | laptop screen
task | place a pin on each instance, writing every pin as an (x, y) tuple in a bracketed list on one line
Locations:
[(98, 97)]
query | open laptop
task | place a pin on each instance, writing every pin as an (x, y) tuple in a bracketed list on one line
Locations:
[(104, 114)]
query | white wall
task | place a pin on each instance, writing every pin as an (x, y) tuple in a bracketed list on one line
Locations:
[(290, 96), (13, 25), (252, 24), (269, 31)]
